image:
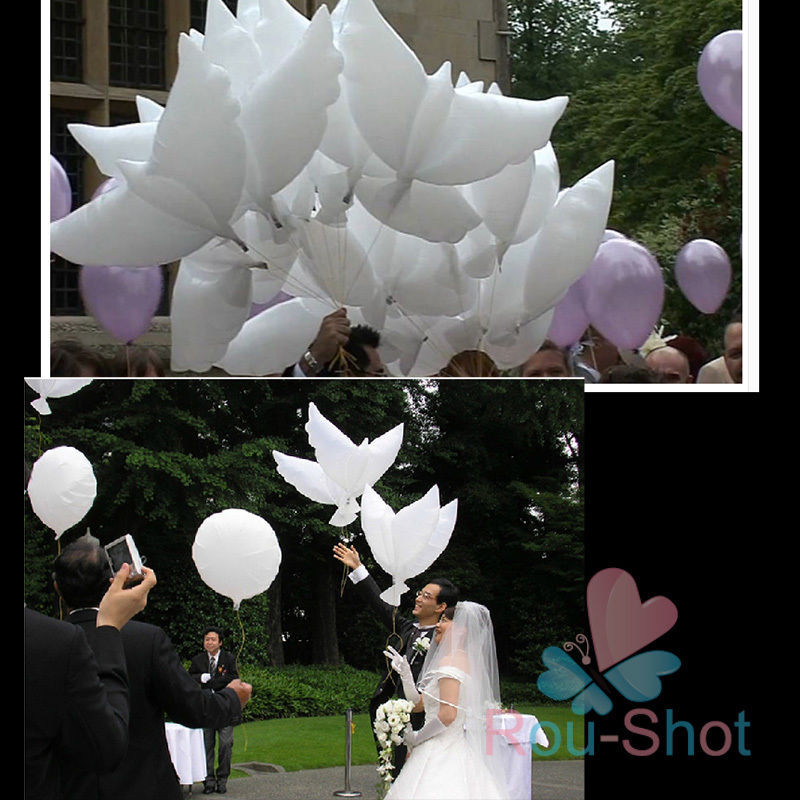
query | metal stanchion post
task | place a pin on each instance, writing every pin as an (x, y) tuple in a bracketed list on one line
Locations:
[(348, 750)]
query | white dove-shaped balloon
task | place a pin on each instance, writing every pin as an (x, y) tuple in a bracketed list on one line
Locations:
[(343, 470), (408, 542)]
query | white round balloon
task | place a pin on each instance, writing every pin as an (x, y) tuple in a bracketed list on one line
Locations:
[(237, 554), (62, 488)]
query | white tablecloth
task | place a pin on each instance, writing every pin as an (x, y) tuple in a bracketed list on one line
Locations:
[(188, 752), (514, 751)]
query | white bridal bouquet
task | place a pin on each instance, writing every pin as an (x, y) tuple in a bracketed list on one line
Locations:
[(391, 719)]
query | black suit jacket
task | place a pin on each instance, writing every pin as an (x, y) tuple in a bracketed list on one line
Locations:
[(407, 633), (225, 672), (76, 702), (159, 685)]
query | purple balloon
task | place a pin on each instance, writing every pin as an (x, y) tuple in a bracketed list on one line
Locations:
[(60, 191), (719, 76), (624, 292), (703, 272), (570, 319), (257, 308), (123, 300)]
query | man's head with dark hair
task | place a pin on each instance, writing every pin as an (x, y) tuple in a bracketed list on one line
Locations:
[(432, 600), (81, 573), (448, 591), (70, 358), (363, 347), (212, 640), (549, 361)]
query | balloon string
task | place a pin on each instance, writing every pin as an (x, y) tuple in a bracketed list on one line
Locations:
[(58, 553), (285, 273), (344, 566), (241, 626), (491, 299), (328, 254), (386, 644), (419, 329)]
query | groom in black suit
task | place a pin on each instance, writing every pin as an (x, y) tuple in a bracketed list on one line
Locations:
[(405, 635)]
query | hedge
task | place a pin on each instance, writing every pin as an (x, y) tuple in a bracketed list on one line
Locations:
[(307, 691)]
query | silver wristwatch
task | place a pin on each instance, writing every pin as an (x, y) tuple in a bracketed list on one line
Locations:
[(311, 362)]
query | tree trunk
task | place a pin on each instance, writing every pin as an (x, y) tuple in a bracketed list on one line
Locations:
[(274, 626), (325, 645)]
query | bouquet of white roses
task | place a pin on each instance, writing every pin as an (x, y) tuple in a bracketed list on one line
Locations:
[(391, 719)]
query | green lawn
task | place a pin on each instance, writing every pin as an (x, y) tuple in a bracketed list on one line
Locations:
[(315, 742)]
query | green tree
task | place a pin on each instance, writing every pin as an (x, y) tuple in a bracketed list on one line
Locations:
[(557, 46), (634, 99)]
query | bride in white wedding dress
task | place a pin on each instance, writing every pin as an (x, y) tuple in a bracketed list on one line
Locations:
[(459, 682)]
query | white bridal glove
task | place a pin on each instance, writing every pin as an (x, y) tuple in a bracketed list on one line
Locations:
[(431, 728), (401, 666)]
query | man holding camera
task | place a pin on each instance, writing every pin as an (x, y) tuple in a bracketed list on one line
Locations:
[(214, 669), (158, 684)]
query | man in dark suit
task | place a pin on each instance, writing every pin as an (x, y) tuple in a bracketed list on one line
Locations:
[(409, 637), (76, 697), (214, 669), (158, 684)]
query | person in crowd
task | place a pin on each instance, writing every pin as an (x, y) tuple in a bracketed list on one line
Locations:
[(728, 367), (339, 350), (470, 364), (406, 635), (693, 350), (549, 361), (139, 362), (71, 359), (594, 355), (77, 696), (624, 373), (214, 669), (670, 364), (159, 685)]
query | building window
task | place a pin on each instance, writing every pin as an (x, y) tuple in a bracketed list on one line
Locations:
[(64, 295), (136, 41), (66, 40), (198, 13)]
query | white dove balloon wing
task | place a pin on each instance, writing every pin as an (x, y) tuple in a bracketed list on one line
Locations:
[(383, 453), (436, 543), (376, 522), (122, 229), (187, 172), (332, 448), (302, 87), (306, 476)]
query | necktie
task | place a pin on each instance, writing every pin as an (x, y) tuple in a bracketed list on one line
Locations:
[(212, 664)]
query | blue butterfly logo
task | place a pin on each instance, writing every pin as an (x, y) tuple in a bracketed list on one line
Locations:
[(624, 626)]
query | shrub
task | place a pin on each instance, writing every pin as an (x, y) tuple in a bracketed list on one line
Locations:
[(306, 691)]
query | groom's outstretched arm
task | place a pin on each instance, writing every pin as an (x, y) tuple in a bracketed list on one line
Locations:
[(368, 589)]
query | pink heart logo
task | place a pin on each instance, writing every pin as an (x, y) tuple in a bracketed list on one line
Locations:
[(621, 624)]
